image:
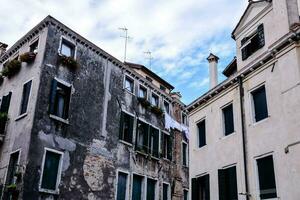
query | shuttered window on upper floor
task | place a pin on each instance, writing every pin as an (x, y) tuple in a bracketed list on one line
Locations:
[(151, 189), (25, 97), (201, 133), (260, 107), (137, 187), (228, 120), (126, 127)]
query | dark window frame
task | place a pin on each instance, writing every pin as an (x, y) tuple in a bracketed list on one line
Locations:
[(201, 187), (259, 109), (141, 191), (25, 99), (34, 46), (164, 193), (167, 104), (227, 183), (155, 192), (129, 80), (228, 119), (126, 186), (167, 145), (185, 154), (154, 100), (124, 119), (143, 89), (67, 43), (202, 142)]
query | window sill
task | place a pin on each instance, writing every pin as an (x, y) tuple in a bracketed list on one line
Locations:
[(200, 148), (128, 91), (228, 136), (21, 116), (126, 143), (261, 121), (142, 153), (166, 160), (49, 191), (65, 121)]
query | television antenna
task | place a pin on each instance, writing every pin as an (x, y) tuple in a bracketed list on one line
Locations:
[(149, 57), (125, 30)]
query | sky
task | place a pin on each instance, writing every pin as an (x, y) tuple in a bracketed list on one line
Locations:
[(179, 34)]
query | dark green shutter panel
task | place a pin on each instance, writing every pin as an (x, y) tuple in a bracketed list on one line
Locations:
[(50, 171), (150, 189), (25, 97), (121, 126), (52, 96), (232, 183), (228, 119), (222, 185), (136, 187), (5, 103), (207, 190), (260, 104), (67, 105), (170, 146), (244, 53), (195, 189), (261, 35), (163, 144), (146, 137), (131, 120), (155, 136), (122, 183), (165, 191), (202, 133)]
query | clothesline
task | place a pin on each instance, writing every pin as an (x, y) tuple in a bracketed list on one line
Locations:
[(172, 123)]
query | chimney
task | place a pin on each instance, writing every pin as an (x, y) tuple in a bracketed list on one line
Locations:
[(2, 48), (213, 70), (176, 95)]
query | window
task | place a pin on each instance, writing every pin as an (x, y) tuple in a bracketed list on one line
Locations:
[(167, 146), (266, 175), (228, 119), (51, 170), (184, 154), (12, 168), (142, 136), (142, 92), (163, 88), (122, 186), (137, 187), (201, 133), (166, 193), (151, 184), (67, 48), (126, 127), (167, 107), (25, 97), (5, 103), (227, 184), (149, 79), (154, 142), (155, 100), (184, 118), (34, 46), (200, 188), (185, 194), (260, 103), (129, 84), (60, 99), (253, 42)]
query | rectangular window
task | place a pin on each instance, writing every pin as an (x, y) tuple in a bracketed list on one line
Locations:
[(51, 171), (154, 142), (25, 97), (227, 184), (228, 119), (151, 185), (34, 46), (142, 136), (266, 175), (60, 99), (185, 194), (126, 127), (200, 188), (129, 84), (142, 92), (5, 103), (67, 48), (184, 154), (167, 146), (12, 168), (167, 107), (163, 88), (201, 133), (154, 100), (122, 186), (166, 191), (260, 103), (149, 79), (253, 43), (137, 187), (184, 118)]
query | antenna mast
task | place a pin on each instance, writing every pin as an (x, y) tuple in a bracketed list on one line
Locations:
[(149, 54), (126, 40)]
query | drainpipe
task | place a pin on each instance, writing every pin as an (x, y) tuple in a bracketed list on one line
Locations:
[(241, 89)]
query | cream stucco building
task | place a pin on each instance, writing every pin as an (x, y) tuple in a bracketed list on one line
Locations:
[(244, 132)]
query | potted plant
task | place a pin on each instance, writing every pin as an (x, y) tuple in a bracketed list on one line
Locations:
[(144, 102), (12, 68), (69, 62), (156, 110), (27, 57), (12, 191)]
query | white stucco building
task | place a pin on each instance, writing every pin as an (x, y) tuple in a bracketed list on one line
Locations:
[(244, 132)]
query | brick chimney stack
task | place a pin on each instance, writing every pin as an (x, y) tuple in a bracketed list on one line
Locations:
[(213, 70), (2, 48)]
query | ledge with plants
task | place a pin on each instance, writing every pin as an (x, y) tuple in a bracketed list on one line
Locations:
[(13, 191), (157, 110), (11, 68), (28, 57), (144, 102), (69, 62)]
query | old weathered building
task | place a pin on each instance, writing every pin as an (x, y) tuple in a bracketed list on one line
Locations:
[(244, 132), (76, 123)]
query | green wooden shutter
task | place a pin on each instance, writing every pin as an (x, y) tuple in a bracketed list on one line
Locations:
[(222, 185), (25, 97), (170, 146), (195, 189), (50, 172), (52, 96), (122, 184), (150, 189), (137, 188), (5, 103), (130, 132), (261, 35), (121, 126), (206, 189)]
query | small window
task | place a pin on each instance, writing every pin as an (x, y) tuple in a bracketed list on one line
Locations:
[(122, 186), (163, 88), (142, 136), (25, 97), (154, 142), (266, 175), (260, 103), (200, 188), (34, 46), (142, 92), (185, 194), (151, 189), (126, 127), (129, 84), (4, 108), (59, 99), (51, 170), (167, 107), (154, 100), (166, 192), (184, 154), (227, 183), (167, 146), (228, 120), (184, 118), (67, 48), (149, 79), (12, 168), (137, 187), (201, 133)]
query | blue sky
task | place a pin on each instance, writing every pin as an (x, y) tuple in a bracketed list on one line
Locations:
[(180, 34)]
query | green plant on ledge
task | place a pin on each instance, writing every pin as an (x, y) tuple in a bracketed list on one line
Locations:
[(69, 62), (156, 110), (144, 102), (3, 117), (27, 57), (11, 187), (12, 68)]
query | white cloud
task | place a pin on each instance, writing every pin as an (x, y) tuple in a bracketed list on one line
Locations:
[(199, 83)]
